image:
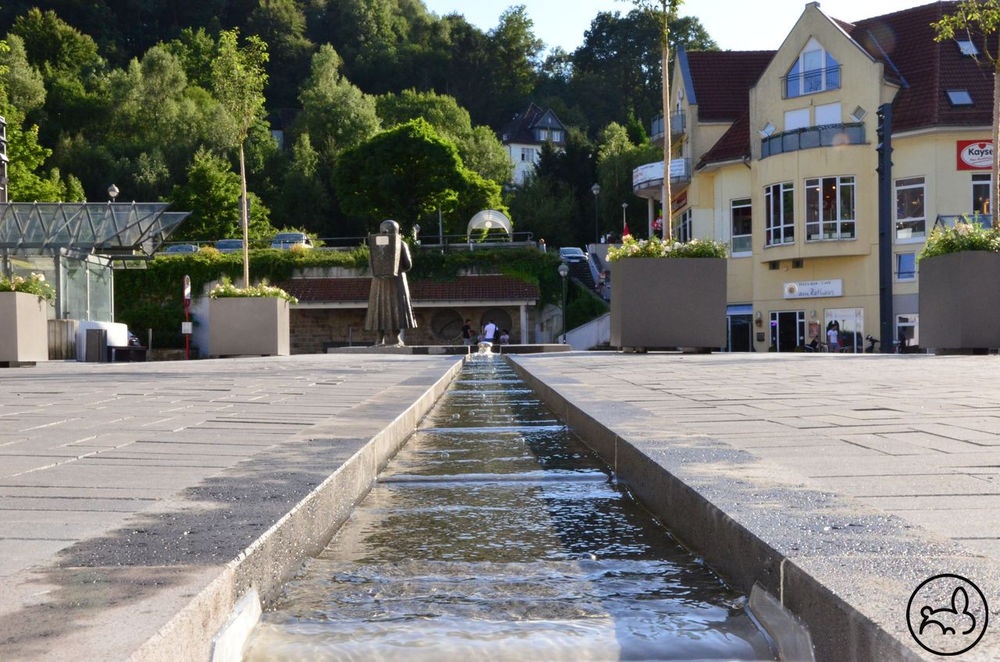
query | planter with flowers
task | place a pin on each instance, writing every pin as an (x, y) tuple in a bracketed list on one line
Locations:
[(24, 334), (668, 296), (959, 302), (248, 321)]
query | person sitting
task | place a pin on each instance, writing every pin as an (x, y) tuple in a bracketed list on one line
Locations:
[(505, 337)]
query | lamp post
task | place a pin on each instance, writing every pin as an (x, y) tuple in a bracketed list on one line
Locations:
[(563, 272), (596, 190), (624, 222), (113, 192)]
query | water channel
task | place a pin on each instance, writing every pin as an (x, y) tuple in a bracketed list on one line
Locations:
[(495, 533)]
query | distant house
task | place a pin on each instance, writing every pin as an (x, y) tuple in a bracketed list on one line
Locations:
[(524, 136)]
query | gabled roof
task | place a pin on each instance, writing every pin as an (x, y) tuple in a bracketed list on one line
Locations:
[(722, 81), (926, 69), (521, 129), (903, 41), (353, 292)]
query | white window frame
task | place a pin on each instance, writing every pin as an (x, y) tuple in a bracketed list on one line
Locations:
[(836, 219), (779, 214), (982, 183), (909, 274), (741, 245), (814, 71), (911, 208)]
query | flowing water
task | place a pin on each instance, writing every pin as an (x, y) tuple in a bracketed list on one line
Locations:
[(496, 534)]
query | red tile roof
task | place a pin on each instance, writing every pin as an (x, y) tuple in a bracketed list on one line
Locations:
[(463, 288), (903, 41), (722, 79)]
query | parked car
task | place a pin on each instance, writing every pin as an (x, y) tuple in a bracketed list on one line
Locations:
[(286, 240), (181, 248), (229, 245), (572, 254)]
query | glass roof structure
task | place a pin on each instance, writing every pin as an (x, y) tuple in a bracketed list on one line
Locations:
[(123, 231)]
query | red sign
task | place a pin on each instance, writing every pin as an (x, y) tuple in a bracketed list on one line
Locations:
[(974, 154)]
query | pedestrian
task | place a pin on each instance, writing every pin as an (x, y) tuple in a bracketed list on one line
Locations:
[(505, 337), (468, 336), (489, 332), (833, 336)]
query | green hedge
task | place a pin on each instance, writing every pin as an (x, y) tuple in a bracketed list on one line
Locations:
[(153, 298)]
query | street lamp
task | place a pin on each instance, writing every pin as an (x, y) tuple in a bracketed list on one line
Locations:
[(624, 222), (563, 272), (596, 190), (113, 192)]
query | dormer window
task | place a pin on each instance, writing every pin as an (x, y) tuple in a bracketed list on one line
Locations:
[(959, 97), (814, 71), (966, 47)]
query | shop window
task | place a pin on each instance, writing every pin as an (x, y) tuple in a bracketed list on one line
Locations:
[(981, 190)]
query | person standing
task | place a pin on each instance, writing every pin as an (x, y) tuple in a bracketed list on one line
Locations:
[(490, 332), (468, 335)]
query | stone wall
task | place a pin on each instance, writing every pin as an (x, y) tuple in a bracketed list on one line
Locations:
[(313, 330)]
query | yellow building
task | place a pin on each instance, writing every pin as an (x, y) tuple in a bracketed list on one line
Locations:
[(783, 147)]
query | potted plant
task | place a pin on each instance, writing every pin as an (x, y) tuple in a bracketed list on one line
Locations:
[(959, 303), (668, 295), (249, 320), (24, 335)]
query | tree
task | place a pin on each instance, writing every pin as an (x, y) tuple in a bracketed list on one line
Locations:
[(479, 147), (664, 13), (238, 81), (336, 114), (980, 20), (402, 174), (212, 194)]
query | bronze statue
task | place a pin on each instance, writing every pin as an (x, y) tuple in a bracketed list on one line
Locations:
[(389, 306)]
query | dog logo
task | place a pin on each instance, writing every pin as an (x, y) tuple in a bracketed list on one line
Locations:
[(947, 615)]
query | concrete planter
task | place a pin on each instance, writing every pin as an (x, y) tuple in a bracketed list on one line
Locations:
[(24, 334), (959, 301), (255, 326), (668, 303)]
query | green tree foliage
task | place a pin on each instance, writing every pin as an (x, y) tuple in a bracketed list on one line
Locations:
[(404, 173), (281, 24), (479, 147), (212, 193), (238, 81), (336, 114)]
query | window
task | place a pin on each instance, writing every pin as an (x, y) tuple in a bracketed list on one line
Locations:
[(907, 331), (966, 47), (830, 208), (683, 233), (959, 97), (779, 214), (740, 212), (981, 193), (906, 266), (910, 215), (796, 119), (527, 155), (814, 71), (829, 113)]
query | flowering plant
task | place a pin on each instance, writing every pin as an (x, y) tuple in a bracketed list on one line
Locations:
[(225, 289), (963, 236), (33, 284), (656, 247)]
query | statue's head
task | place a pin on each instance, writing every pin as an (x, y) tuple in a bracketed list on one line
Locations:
[(389, 227)]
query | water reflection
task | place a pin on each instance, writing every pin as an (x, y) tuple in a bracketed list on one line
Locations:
[(496, 533)]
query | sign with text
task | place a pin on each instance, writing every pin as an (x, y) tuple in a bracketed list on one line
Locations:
[(974, 154), (811, 289)]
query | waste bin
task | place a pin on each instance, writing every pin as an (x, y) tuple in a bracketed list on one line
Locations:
[(97, 346)]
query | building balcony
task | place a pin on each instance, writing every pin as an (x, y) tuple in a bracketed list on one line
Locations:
[(828, 135), (649, 177)]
